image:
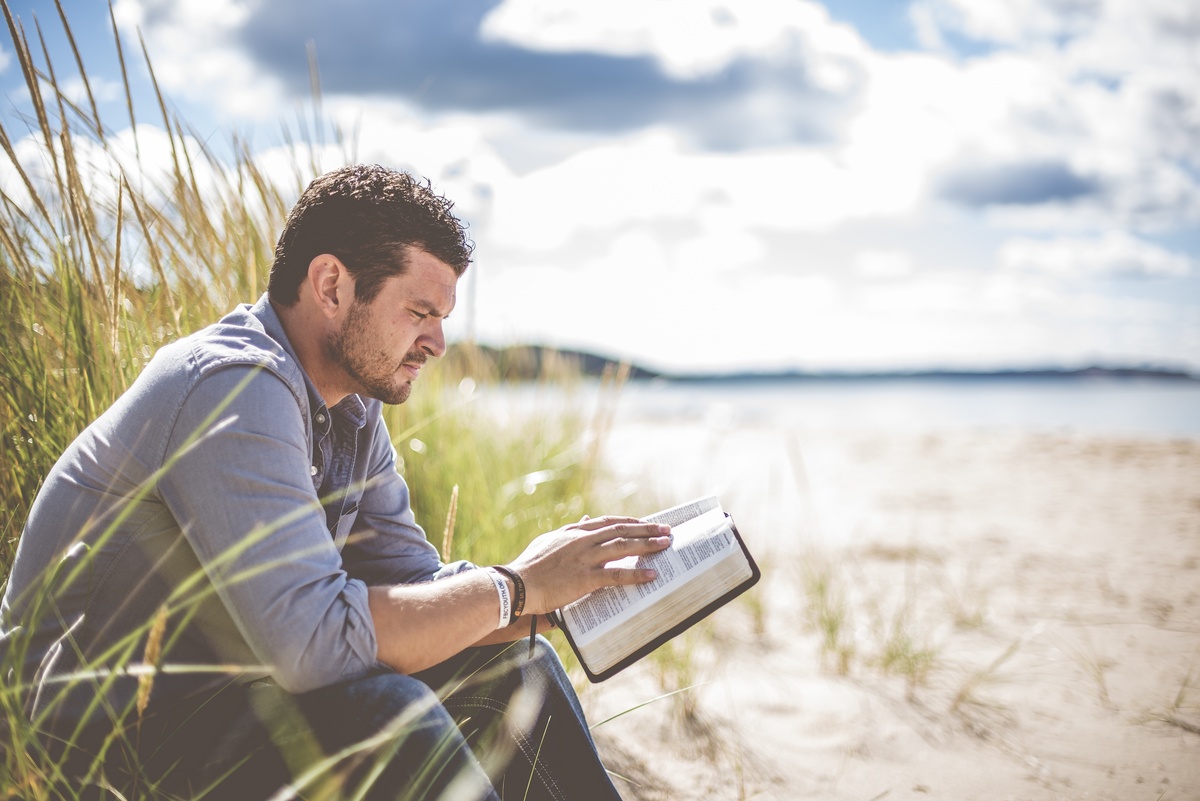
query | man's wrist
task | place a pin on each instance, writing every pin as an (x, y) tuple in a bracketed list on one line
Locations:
[(501, 583), (518, 588)]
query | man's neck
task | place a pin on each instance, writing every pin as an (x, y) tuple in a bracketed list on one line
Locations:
[(306, 333)]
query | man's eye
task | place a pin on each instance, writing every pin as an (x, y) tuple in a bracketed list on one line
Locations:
[(418, 314)]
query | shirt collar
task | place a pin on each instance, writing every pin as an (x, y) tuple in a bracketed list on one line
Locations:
[(350, 408)]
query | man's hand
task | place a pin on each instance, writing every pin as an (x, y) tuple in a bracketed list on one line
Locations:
[(565, 565), (419, 625)]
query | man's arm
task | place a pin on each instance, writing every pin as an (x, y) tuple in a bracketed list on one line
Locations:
[(419, 625), (242, 492)]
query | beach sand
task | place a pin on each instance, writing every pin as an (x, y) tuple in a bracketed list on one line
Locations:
[(963, 614)]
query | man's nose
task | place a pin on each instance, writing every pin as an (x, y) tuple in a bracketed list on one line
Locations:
[(433, 341)]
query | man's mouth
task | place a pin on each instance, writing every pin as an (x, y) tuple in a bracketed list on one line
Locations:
[(413, 365)]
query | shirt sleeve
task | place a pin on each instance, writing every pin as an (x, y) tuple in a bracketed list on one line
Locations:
[(386, 545), (238, 480)]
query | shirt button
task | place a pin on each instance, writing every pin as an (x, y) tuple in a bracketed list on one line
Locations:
[(321, 419), (313, 470)]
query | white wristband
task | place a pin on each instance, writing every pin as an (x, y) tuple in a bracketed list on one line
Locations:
[(505, 600)]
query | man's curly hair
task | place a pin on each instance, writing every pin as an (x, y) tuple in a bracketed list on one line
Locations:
[(365, 215)]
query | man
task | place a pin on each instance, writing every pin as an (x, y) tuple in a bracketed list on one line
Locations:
[(236, 518)]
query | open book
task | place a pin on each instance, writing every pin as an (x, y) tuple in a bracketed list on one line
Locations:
[(706, 566)]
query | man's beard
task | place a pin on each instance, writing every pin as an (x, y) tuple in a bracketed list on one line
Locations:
[(374, 370)]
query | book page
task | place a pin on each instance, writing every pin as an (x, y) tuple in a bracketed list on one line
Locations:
[(700, 542), (675, 606)]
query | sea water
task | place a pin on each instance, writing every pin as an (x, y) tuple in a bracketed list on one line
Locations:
[(1107, 405), (1133, 406), (793, 449)]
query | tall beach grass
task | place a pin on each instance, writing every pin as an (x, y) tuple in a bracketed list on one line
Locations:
[(107, 253)]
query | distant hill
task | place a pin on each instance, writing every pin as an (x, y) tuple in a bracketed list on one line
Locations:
[(528, 362), (1095, 371)]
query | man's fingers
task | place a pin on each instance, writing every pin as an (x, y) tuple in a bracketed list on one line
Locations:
[(597, 523), (629, 528), (566, 564), (619, 547), (629, 575)]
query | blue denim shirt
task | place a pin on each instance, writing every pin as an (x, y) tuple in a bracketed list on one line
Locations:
[(221, 486)]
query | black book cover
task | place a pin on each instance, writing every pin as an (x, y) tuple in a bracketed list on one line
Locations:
[(675, 630)]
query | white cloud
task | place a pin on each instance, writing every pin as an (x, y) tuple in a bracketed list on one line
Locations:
[(917, 113), (885, 264), (629, 302), (1101, 88), (926, 294), (1008, 21), (652, 178), (1116, 38), (102, 89), (719, 251), (688, 38), (1114, 253), (1140, 38), (635, 300), (926, 28), (197, 55)]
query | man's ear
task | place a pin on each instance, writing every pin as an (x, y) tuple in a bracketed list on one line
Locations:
[(331, 284)]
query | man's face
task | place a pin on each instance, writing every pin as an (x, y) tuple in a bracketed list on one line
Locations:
[(381, 345)]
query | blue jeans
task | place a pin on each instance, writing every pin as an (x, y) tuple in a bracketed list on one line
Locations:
[(491, 723)]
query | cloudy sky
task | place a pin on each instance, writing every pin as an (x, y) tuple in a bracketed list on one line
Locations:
[(755, 184)]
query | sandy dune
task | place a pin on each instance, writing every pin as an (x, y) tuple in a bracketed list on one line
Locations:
[(1019, 619)]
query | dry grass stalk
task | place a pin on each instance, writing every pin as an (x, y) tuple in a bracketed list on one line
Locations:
[(150, 660), (1179, 722), (967, 693), (1093, 665), (448, 532)]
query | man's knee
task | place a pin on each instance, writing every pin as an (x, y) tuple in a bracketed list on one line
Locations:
[(547, 669), (397, 733)]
